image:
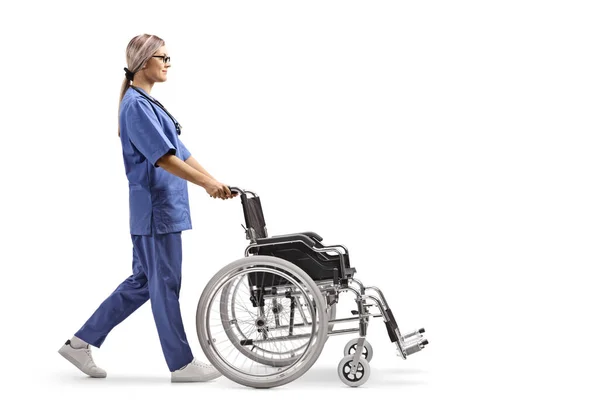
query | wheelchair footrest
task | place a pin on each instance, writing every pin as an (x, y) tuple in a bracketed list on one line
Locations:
[(412, 343), (408, 344), (416, 347)]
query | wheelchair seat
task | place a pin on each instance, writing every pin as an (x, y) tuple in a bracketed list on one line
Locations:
[(298, 248)]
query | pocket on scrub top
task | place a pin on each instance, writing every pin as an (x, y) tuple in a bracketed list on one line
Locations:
[(172, 207), (140, 208)]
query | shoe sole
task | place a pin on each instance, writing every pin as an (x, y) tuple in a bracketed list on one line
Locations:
[(190, 379), (75, 363)]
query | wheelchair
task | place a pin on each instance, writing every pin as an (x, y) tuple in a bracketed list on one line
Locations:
[(263, 320)]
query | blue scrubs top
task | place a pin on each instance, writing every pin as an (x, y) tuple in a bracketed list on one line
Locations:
[(158, 200)]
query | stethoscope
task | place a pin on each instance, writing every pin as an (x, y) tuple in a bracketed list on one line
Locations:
[(177, 126)]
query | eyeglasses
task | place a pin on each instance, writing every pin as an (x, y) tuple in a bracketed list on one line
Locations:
[(165, 59)]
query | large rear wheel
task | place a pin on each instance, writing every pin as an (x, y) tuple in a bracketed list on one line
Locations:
[(262, 321)]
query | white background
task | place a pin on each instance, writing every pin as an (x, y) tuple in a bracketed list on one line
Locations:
[(452, 146)]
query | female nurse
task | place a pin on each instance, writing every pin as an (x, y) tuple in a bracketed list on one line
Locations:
[(158, 167)]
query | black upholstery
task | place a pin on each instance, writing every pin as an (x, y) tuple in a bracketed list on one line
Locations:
[(317, 265), (254, 217), (289, 237), (297, 248), (311, 235)]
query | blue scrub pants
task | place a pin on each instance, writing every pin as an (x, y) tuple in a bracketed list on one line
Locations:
[(156, 276)]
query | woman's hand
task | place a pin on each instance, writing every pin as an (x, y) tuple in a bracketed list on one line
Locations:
[(219, 190)]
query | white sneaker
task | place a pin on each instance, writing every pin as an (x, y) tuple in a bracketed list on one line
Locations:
[(82, 359), (195, 371)]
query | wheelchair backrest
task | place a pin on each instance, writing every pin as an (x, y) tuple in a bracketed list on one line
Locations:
[(253, 215)]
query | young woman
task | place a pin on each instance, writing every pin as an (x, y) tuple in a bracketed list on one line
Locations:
[(158, 167)]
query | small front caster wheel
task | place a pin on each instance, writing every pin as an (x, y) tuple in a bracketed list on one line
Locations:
[(359, 377), (351, 346)]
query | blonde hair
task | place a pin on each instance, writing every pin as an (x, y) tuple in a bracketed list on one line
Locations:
[(139, 50)]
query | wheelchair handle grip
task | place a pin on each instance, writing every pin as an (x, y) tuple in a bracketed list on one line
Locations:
[(234, 189)]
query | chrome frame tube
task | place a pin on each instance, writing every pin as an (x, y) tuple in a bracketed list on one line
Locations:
[(363, 317), (361, 286), (379, 305), (380, 293), (343, 331), (284, 327), (350, 288), (351, 319), (301, 310), (282, 338)]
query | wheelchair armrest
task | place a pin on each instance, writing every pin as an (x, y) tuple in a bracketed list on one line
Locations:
[(285, 238), (321, 251), (313, 235)]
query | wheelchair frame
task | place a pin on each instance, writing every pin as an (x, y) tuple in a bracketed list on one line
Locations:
[(332, 275)]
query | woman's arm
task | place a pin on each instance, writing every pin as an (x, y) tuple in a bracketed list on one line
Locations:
[(176, 166), (191, 161)]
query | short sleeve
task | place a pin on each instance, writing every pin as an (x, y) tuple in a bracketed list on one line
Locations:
[(185, 153), (145, 132)]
